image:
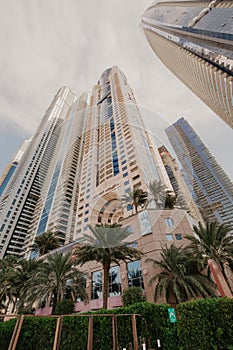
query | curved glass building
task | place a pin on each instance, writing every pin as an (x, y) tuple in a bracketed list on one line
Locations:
[(194, 39)]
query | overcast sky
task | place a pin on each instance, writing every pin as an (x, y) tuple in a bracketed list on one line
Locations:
[(47, 44)]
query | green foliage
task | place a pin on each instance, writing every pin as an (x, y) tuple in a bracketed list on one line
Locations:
[(65, 307), (132, 295), (154, 324), (37, 333), (206, 324), (74, 333), (6, 331), (180, 276)]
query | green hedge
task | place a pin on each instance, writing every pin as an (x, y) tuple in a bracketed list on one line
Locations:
[(205, 324), (37, 333), (74, 333), (154, 324), (6, 331)]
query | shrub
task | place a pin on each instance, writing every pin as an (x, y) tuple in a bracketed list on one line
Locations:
[(74, 333), (37, 333), (132, 295), (65, 307), (206, 324), (6, 331)]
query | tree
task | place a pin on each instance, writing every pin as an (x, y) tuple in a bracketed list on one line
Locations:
[(213, 241), (179, 277), (157, 193), (137, 198), (106, 245), (51, 281), (45, 242), (14, 273), (170, 201), (181, 201)]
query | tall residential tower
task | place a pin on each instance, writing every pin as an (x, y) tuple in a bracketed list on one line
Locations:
[(41, 193), (118, 155), (194, 39), (210, 186)]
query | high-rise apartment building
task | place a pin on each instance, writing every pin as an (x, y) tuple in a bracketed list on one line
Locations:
[(42, 192), (211, 188), (184, 197), (78, 166), (10, 168), (118, 155), (194, 39)]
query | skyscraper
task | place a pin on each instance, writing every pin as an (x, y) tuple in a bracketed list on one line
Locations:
[(41, 193), (118, 155), (194, 39), (210, 186), (78, 166), (184, 197)]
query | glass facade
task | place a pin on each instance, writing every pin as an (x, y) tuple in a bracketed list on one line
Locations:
[(198, 36), (114, 281), (210, 186), (135, 278), (96, 289)]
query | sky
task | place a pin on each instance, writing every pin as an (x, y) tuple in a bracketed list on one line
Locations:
[(48, 44)]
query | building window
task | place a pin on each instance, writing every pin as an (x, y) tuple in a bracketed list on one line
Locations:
[(129, 207), (96, 288), (130, 229), (169, 237), (135, 274), (83, 280), (178, 236), (169, 222), (114, 281)]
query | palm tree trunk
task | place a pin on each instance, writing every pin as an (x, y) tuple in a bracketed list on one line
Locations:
[(227, 272), (106, 268), (55, 297)]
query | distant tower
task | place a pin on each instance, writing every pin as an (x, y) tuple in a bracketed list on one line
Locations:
[(184, 197), (118, 155), (10, 168), (194, 39), (210, 186)]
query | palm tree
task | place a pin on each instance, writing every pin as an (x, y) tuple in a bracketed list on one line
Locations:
[(45, 242), (157, 193), (52, 279), (180, 277), (6, 279), (170, 201), (213, 241), (14, 273), (106, 245), (181, 201), (23, 272), (137, 198)]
